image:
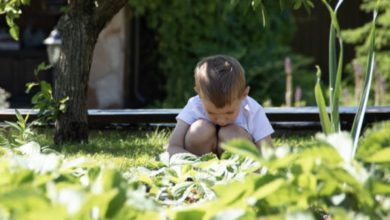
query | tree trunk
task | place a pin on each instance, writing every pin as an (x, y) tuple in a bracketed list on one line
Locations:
[(79, 28)]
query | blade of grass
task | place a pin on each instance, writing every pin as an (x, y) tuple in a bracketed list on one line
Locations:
[(324, 117), (358, 120)]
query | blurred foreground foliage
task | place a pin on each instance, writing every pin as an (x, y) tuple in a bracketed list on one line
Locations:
[(316, 180)]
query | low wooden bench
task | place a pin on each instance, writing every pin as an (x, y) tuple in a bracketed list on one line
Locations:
[(278, 116)]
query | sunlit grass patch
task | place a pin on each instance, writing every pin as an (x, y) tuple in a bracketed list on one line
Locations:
[(122, 148), (135, 147)]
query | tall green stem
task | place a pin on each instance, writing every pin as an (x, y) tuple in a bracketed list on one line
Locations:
[(358, 121)]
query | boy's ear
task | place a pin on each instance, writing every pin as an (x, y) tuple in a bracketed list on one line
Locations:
[(246, 92)]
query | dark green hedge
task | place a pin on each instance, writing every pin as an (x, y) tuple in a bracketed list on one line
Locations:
[(188, 30)]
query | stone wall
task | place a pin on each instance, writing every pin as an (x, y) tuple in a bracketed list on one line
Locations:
[(106, 82)]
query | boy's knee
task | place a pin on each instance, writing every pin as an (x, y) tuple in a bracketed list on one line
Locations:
[(201, 137), (202, 129), (232, 131)]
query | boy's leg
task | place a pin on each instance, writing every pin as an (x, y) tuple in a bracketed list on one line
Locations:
[(229, 132), (201, 138)]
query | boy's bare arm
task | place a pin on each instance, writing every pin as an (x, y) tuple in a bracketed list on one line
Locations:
[(265, 141), (176, 141)]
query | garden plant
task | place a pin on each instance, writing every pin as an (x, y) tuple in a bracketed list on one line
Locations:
[(332, 124)]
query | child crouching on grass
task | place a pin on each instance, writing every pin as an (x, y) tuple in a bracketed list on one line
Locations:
[(221, 111)]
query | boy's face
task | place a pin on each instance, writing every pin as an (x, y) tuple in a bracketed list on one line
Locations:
[(225, 115)]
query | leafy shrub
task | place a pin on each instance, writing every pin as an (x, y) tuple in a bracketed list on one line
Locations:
[(12, 11), (189, 30), (20, 131), (375, 142), (359, 37), (43, 100)]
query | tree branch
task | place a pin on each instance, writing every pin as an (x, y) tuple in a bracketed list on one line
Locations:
[(105, 10)]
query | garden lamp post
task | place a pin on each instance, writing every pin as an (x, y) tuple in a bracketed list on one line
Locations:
[(53, 46)]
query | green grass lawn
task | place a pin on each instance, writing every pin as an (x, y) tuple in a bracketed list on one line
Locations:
[(134, 147), (123, 148)]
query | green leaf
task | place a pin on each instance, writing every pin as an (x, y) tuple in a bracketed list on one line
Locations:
[(324, 117), (337, 89), (288, 194), (14, 32), (19, 116), (189, 214), (258, 5), (208, 157), (334, 70), (268, 188), (282, 163), (46, 89), (24, 199), (358, 120), (58, 211), (108, 180), (13, 125), (101, 201), (40, 68), (297, 4), (30, 86), (381, 156), (380, 187), (9, 18), (320, 153), (307, 181), (328, 188), (25, 2), (241, 190), (179, 189), (182, 158), (64, 100), (244, 148)]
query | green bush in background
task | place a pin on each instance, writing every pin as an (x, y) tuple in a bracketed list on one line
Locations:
[(189, 30), (359, 37)]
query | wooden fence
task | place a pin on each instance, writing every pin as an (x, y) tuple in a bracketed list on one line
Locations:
[(301, 117)]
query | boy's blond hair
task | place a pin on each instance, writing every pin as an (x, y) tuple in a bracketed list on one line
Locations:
[(220, 79)]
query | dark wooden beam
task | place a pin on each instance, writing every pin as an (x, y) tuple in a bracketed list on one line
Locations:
[(274, 114)]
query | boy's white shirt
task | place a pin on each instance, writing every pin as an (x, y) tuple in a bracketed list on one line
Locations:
[(251, 117)]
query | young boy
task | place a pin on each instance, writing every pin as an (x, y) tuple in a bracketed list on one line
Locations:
[(221, 111)]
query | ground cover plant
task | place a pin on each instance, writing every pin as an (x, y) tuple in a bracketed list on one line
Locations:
[(303, 177)]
